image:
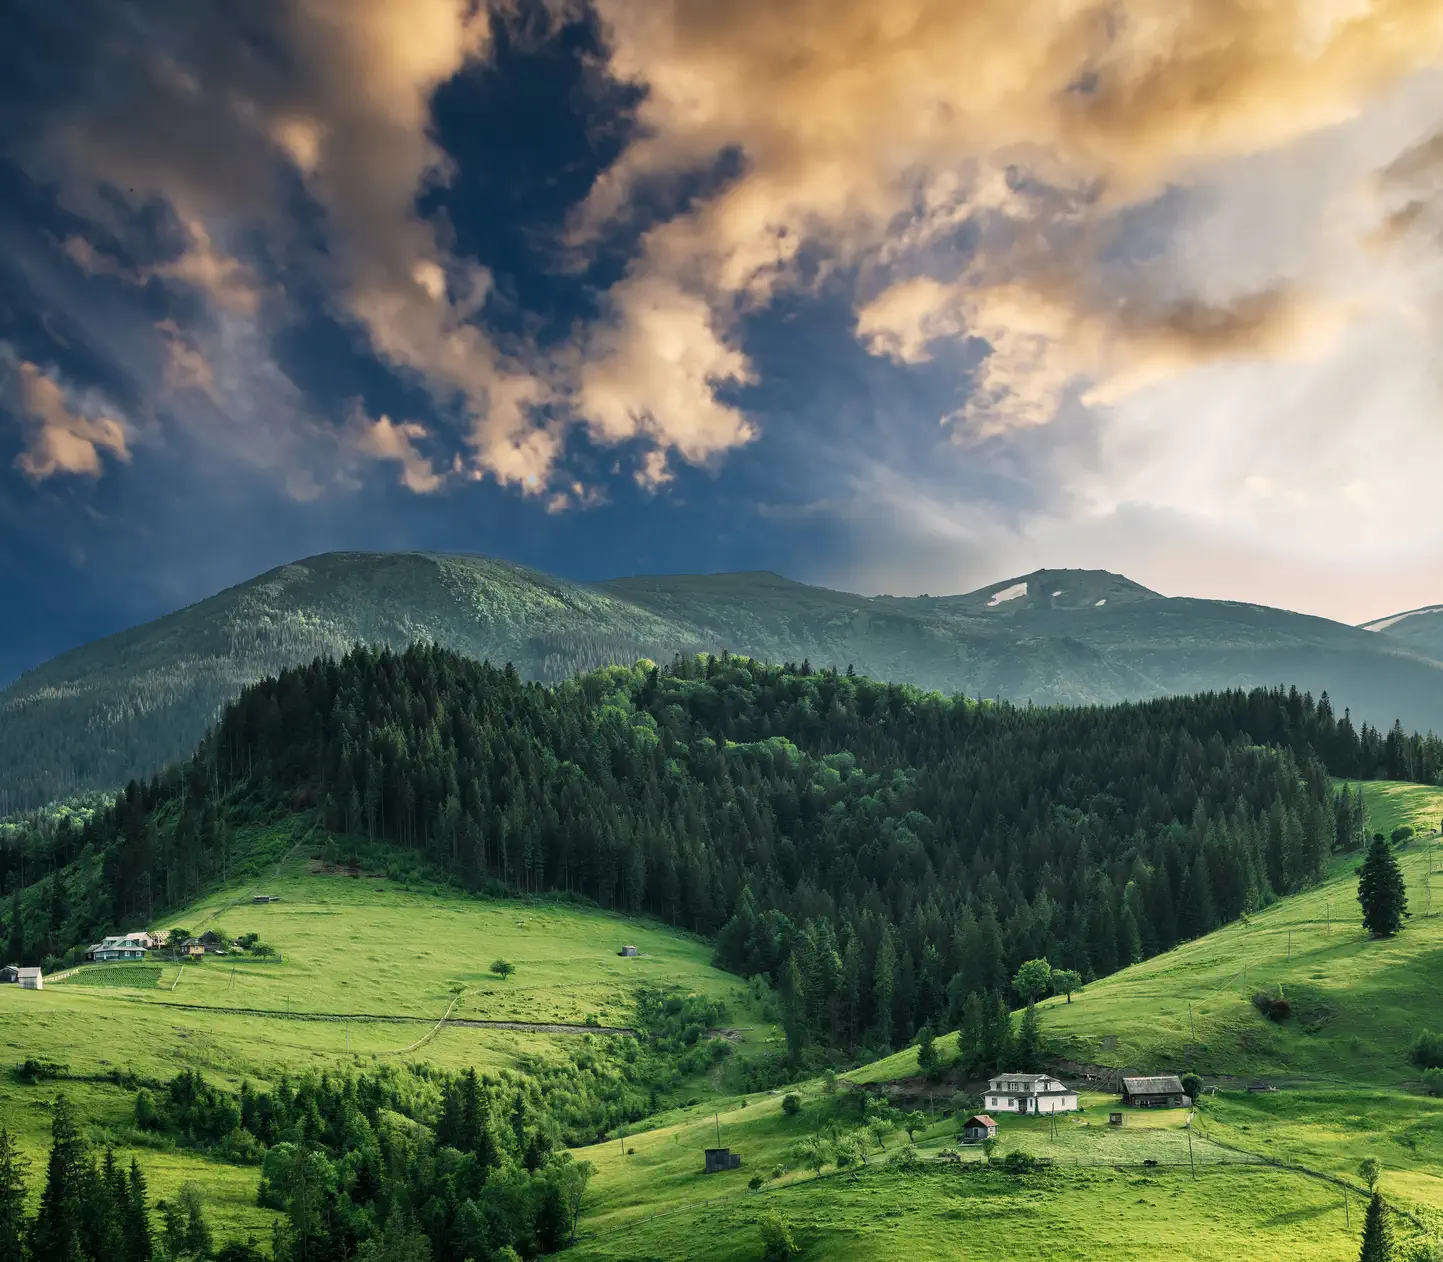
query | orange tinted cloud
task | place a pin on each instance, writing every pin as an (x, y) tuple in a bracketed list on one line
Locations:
[(60, 438), (854, 119)]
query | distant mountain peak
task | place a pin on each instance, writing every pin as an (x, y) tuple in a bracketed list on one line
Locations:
[(1392, 620)]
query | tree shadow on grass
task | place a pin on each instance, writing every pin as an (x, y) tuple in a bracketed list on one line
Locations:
[(1299, 1215)]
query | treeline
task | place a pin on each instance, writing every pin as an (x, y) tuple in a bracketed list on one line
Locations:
[(901, 849), (98, 1211), (384, 1165)]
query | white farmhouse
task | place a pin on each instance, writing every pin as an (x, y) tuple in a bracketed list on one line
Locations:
[(1030, 1093)]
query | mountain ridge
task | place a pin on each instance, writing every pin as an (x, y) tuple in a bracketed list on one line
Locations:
[(129, 703)]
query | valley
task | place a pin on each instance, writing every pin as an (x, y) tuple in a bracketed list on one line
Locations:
[(1345, 1088)]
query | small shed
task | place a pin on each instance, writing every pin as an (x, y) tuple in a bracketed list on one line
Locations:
[(1114, 1119), (630, 950), (718, 1159), (9, 974), (979, 1127), (264, 898), (31, 978), (1258, 1087), (1164, 1092)]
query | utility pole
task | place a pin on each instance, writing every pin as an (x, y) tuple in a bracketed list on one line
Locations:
[(1347, 1213), (1191, 1025), (717, 1116), (1190, 1161), (1290, 944)]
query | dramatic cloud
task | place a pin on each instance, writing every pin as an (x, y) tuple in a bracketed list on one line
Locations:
[(856, 123), (382, 439), (208, 128), (62, 437), (656, 372)]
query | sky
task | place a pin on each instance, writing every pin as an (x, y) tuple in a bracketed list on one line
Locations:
[(894, 297)]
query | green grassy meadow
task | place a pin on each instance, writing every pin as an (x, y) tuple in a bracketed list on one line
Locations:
[(393, 958)]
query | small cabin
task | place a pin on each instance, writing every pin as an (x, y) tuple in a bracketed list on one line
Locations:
[(9, 973), (718, 1159), (1164, 1092), (979, 1127), (30, 978), (1114, 1119), (629, 950)]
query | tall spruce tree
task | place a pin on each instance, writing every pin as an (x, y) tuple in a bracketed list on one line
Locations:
[(139, 1243), (1377, 1233), (12, 1200), (56, 1234), (1381, 891)]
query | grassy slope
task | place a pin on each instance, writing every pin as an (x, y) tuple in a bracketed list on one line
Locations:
[(1346, 1088), (1346, 1091), (350, 945)]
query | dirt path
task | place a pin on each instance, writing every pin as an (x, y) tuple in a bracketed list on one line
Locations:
[(530, 1027)]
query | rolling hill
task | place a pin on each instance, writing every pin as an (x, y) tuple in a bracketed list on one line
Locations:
[(1419, 629), (130, 703)]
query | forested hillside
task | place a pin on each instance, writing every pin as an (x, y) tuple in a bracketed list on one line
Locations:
[(128, 705), (881, 852)]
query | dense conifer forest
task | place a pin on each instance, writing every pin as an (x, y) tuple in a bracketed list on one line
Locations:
[(878, 852)]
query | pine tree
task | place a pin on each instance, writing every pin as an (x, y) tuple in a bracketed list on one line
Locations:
[(55, 1235), (139, 1245), (1377, 1233), (1381, 891), (1027, 1052), (794, 1007), (883, 981), (15, 941), (12, 1200)]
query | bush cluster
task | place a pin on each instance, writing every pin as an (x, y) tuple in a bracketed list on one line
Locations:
[(1274, 1007)]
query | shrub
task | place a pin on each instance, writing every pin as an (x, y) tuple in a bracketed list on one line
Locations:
[(755, 1182), (1433, 1081), (33, 1069), (1274, 1007), (791, 1104), (1401, 834), (1427, 1051), (778, 1243), (1023, 1162)]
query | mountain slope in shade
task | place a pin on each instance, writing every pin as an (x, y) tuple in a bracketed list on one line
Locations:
[(1420, 630), (130, 703)]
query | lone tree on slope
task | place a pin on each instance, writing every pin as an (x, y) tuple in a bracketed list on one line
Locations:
[(1381, 891), (1032, 979)]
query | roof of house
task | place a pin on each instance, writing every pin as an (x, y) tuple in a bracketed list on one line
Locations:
[(1167, 1085), (980, 1119), (28, 972), (1024, 1077)]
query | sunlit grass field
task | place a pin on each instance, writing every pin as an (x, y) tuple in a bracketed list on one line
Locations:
[(370, 948)]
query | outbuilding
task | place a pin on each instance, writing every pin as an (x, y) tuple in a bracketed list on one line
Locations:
[(718, 1159), (979, 1127), (1163, 1092), (31, 978), (9, 973), (630, 950)]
